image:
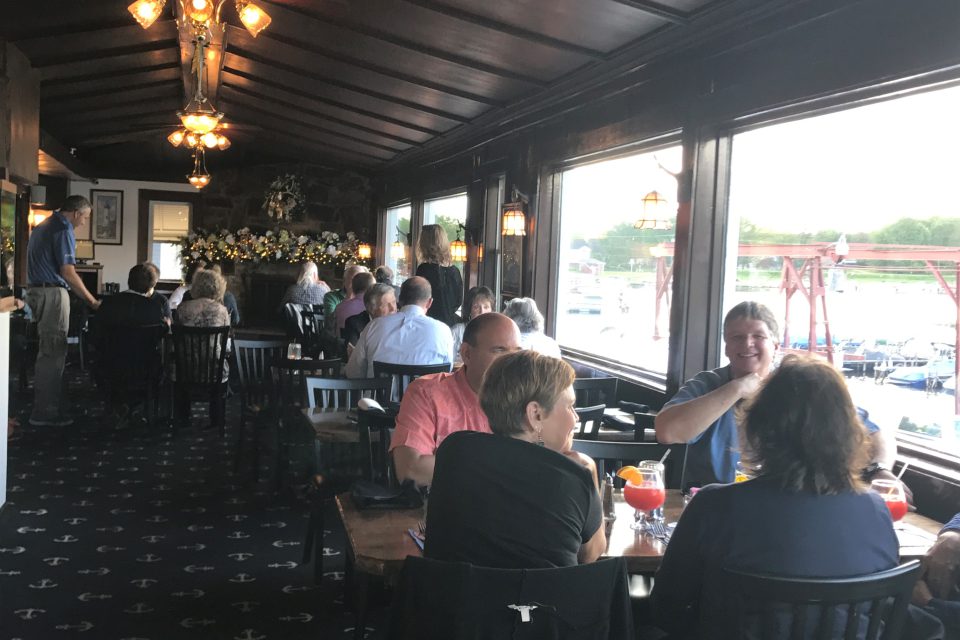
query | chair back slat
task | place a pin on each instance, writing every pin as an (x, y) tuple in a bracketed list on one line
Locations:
[(288, 378), (379, 463), (253, 359), (200, 354), (863, 605), (590, 419), (594, 391), (403, 374), (624, 453)]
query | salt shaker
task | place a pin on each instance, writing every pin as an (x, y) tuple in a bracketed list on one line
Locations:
[(607, 499)]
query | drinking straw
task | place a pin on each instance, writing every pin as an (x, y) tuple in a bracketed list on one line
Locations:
[(903, 469), (667, 453)]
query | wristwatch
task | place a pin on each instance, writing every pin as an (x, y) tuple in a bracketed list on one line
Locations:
[(872, 469)]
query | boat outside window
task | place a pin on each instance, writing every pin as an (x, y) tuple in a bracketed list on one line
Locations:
[(857, 213), (614, 279)]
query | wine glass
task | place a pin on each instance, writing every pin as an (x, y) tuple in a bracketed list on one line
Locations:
[(892, 493), (646, 495)]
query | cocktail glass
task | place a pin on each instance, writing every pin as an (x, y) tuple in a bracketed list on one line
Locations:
[(646, 495), (893, 495)]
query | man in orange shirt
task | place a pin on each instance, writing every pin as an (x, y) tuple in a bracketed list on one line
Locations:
[(437, 405)]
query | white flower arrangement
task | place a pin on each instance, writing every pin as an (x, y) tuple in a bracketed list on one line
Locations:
[(243, 245), (283, 198)]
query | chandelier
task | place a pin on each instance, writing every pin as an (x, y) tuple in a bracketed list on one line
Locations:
[(199, 178), (200, 13)]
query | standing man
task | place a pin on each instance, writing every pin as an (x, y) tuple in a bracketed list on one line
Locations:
[(51, 260)]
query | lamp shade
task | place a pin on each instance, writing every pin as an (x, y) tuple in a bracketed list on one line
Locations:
[(199, 11), (458, 250), (254, 18), (514, 220), (199, 177), (199, 116), (146, 12), (398, 251), (38, 195), (364, 251)]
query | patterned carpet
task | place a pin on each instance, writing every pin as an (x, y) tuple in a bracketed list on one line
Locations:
[(132, 534)]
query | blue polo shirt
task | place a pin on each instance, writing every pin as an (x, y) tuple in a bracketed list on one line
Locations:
[(52, 245), (712, 456)]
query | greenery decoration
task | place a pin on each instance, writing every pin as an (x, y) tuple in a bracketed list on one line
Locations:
[(283, 198), (244, 245)]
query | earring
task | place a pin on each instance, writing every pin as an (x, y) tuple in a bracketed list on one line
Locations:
[(540, 436)]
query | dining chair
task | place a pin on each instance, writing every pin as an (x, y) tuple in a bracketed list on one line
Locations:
[(404, 374), (200, 369), (437, 600), (252, 360), (629, 453), (590, 419), (128, 367), (594, 391), (337, 394), (767, 607), (304, 323)]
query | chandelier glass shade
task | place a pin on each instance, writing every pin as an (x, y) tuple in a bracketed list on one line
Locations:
[(199, 12), (514, 220), (146, 12), (199, 116), (253, 17), (199, 178), (458, 250)]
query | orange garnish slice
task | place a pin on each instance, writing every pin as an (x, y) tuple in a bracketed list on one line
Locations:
[(630, 474)]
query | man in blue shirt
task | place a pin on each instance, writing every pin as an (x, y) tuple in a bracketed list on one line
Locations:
[(702, 413), (938, 589), (51, 260)]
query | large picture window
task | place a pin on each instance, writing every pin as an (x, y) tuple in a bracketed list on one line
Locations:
[(847, 225), (448, 212), (398, 250), (616, 248)]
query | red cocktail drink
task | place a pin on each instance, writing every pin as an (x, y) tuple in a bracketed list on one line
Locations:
[(898, 509), (643, 498)]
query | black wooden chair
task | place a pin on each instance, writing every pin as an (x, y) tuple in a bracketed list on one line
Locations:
[(766, 607), (128, 368), (252, 360), (625, 453), (593, 391), (437, 600), (200, 370), (642, 423), (591, 418), (404, 374), (304, 324), (375, 429), (342, 394)]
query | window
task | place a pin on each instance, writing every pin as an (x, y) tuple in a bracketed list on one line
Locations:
[(398, 242), (613, 283), (447, 212), (169, 222), (867, 200)]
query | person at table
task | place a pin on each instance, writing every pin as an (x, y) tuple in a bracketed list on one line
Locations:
[(478, 300), (349, 308), (177, 296), (134, 307), (938, 590), (379, 300), (406, 337), (331, 333), (807, 514), (205, 307), (434, 406), (228, 299), (158, 298), (519, 497), (525, 313), (309, 288), (433, 254)]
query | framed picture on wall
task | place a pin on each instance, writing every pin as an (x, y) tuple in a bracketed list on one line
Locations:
[(107, 219)]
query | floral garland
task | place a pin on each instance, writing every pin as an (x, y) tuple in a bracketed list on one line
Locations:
[(244, 245), (283, 198), (7, 245)]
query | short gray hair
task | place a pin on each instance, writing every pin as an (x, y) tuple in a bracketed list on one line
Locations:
[(525, 313), (208, 284), (373, 295)]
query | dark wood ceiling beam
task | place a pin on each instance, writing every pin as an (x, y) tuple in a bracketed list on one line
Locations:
[(296, 149), (104, 84), (266, 119), (101, 140), (285, 19), (517, 32), (155, 113), (95, 99), (23, 20), (308, 46), (91, 55), (290, 102), (658, 10), (47, 50), (105, 66), (290, 93), (336, 82), (59, 152)]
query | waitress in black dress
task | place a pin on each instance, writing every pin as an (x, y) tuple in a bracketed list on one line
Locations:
[(433, 255)]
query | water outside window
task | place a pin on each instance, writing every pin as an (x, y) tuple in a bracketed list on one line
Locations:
[(866, 199), (608, 296)]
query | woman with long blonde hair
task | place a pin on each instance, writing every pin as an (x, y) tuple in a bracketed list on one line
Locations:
[(433, 255)]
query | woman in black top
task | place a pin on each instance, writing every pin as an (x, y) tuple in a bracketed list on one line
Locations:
[(519, 498), (433, 254)]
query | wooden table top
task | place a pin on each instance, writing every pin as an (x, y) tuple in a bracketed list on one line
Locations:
[(380, 542), (333, 425)]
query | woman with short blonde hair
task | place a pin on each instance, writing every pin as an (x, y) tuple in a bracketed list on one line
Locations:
[(519, 497), (433, 253)]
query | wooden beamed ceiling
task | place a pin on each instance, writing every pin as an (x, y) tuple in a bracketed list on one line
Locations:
[(355, 83)]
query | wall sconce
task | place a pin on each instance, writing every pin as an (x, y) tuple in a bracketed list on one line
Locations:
[(364, 251), (654, 212), (514, 219), (38, 195), (398, 250)]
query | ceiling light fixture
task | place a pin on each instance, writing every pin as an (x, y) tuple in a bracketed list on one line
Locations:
[(146, 12), (655, 212), (200, 177), (200, 13)]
